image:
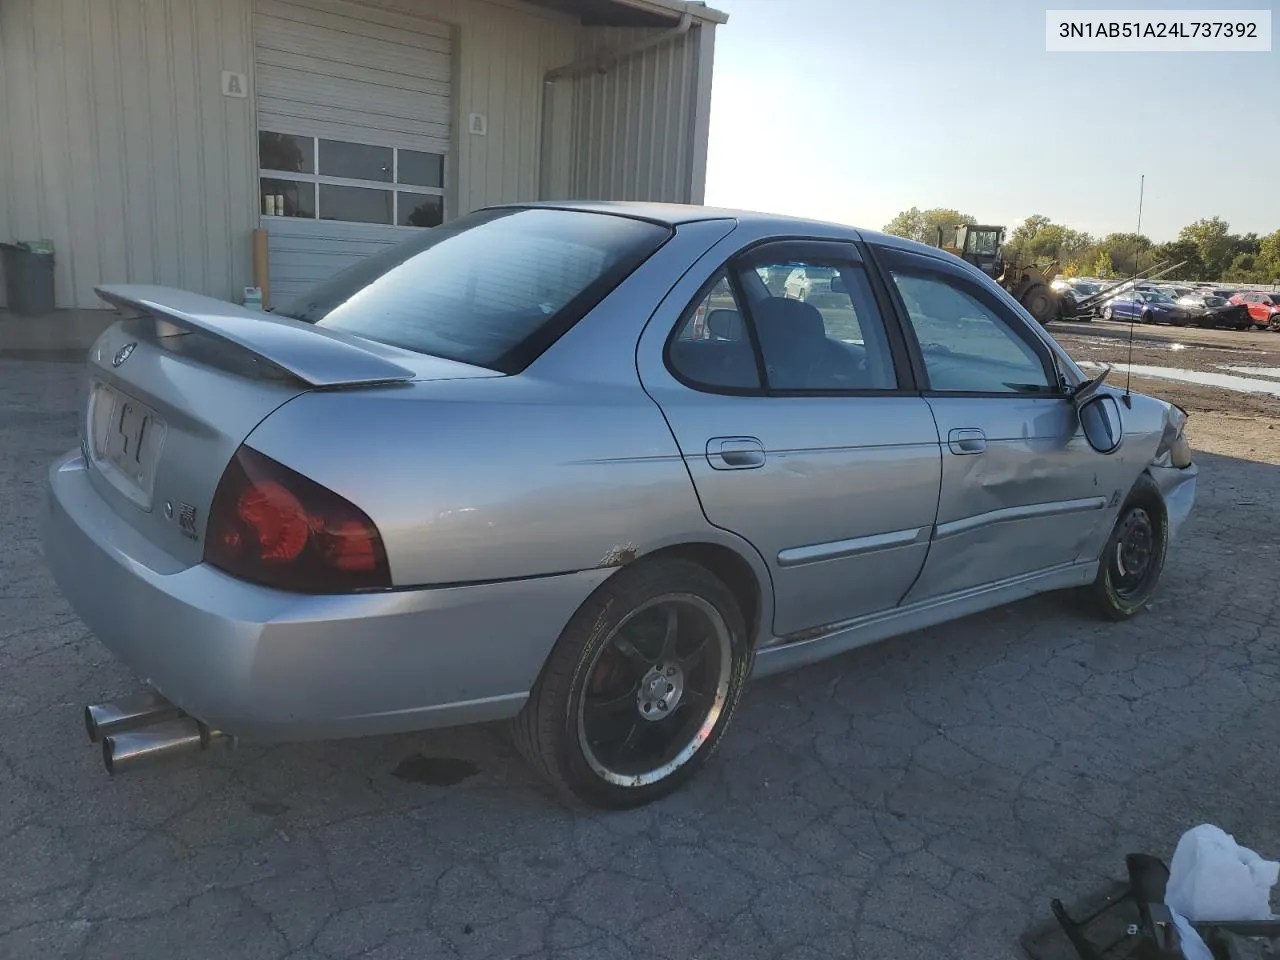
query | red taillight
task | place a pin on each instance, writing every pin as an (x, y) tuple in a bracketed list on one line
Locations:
[(271, 525)]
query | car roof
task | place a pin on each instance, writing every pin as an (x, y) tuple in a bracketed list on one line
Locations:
[(674, 214), (669, 214)]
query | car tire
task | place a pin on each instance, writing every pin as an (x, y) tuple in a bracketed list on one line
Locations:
[(1132, 562), (1106, 313), (1038, 300), (634, 679), (1148, 318)]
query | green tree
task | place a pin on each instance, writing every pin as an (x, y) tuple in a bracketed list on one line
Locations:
[(1128, 252), (1102, 266), (1244, 269), (1268, 258), (1180, 251), (923, 225), (1214, 242), (1024, 234), (1038, 239)]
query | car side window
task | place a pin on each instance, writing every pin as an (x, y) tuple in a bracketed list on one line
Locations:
[(966, 346), (820, 329), (711, 347)]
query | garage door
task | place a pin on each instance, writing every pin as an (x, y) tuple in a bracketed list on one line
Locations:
[(353, 129)]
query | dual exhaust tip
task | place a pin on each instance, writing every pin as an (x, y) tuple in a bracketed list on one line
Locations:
[(143, 728)]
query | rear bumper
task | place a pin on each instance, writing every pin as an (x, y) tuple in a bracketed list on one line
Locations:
[(268, 665)]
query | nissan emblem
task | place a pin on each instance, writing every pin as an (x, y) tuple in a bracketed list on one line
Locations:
[(122, 354)]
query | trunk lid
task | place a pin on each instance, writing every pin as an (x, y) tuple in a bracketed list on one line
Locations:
[(176, 386)]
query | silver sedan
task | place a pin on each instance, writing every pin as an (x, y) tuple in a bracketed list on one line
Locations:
[(587, 467)]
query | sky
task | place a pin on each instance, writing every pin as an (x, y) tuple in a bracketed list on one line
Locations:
[(853, 110)]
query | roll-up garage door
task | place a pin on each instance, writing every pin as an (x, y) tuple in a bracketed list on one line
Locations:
[(353, 128)]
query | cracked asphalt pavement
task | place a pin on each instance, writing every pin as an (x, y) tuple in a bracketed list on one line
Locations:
[(927, 796)]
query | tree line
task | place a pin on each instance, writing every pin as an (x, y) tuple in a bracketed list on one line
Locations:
[(1210, 250)]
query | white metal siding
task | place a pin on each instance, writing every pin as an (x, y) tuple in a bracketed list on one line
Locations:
[(350, 71), (117, 144), (640, 128), (346, 71)]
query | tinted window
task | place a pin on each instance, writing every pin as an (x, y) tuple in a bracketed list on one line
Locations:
[(1275, 298), (357, 204), (355, 161), (711, 347), (966, 346), (287, 198), (494, 288), (824, 332), (421, 169), (420, 209), (283, 151)]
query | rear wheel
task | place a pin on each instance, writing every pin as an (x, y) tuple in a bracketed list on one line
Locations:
[(1106, 312), (639, 688), (1133, 560)]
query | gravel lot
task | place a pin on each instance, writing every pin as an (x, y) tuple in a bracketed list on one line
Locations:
[(922, 798)]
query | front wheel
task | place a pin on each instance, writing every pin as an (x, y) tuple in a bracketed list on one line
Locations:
[(1133, 561), (1106, 313), (640, 687), (1039, 302)]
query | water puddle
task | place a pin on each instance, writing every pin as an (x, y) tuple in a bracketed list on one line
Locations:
[(1223, 380), (1271, 372)]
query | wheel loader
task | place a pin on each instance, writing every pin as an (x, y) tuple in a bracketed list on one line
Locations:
[(1028, 283)]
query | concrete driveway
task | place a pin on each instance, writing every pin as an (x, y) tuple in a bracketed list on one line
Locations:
[(922, 798)]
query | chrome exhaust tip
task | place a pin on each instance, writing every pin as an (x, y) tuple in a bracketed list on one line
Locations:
[(143, 708), (135, 748)]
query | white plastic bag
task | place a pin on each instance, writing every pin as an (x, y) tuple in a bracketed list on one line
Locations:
[(1211, 877), (1193, 945)]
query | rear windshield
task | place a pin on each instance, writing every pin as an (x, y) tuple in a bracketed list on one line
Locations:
[(494, 288)]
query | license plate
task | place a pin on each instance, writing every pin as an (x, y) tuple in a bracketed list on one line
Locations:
[(126, 438)]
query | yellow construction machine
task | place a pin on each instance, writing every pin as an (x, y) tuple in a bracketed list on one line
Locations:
[(1028, 283)]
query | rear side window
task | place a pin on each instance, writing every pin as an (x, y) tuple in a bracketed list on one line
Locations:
[(804, 328), (711, 346), (494, 288)]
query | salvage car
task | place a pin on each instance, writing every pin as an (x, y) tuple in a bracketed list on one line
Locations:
[(497, 471), (1264, 308), (1146, 306), (1207, 310)]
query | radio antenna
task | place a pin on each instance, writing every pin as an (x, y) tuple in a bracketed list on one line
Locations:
[(1128, 369)]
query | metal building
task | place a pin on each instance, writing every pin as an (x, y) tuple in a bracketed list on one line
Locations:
[(150, 139)]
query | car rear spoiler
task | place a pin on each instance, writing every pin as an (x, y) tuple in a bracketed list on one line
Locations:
[(318, 357)]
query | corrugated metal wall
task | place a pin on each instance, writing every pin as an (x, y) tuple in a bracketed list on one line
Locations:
[(117, 144), (384, 78), (640, 129)]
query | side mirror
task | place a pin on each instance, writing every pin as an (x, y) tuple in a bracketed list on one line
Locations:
[(837, 284), (1100, 418)]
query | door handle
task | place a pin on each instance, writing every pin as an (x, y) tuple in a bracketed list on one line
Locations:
[(735, 453), (967, 440)]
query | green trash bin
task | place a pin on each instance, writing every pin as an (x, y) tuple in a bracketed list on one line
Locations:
[(28, 276)]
